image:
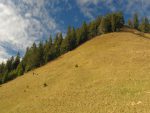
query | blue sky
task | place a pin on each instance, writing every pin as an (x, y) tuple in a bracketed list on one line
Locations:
[(26, 21)]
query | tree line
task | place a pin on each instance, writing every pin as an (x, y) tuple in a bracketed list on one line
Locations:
[(143, 26), (39, 54)]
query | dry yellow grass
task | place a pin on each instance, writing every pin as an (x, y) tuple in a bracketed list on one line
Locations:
[(113, 76), (147, 35)]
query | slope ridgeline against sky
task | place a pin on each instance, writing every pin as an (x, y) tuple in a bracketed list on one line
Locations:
[(26, 21)]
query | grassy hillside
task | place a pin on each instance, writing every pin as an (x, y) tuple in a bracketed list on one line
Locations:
[(108, 74)]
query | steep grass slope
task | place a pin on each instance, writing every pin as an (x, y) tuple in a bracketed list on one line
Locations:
[(108, 74)]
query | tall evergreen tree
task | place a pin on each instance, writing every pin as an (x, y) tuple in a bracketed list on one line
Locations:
[(63, 47), (103, 26), (20, 69), (31, 58), (145, 26), (135, 21), (73, 38), (130, 24), (121, 20), (82, 34), (40, 55), (97, 22), (57, 44), (48, 50), (113, 22), (16, 61), (5, 77), (68, 39), (9, 64), (92, 29)]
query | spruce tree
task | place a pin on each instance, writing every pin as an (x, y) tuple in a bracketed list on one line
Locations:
[(20, 69), (63, 47), (48, 50), (57, 43), (144, 27), (84, 32), (73, 39), (31, 58), (40, 55), (78, 37), (92, 29), (68, 39), (97, 22), (9, 64), (113, 22), (103, 26), (130, 23), (135, 21), (121, 20), (16, 61)]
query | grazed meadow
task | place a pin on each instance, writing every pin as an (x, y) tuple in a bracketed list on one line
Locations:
[(108, 74)]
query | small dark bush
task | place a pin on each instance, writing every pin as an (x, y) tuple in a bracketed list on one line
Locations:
[(27, 86), (45, 85), (76, 66)]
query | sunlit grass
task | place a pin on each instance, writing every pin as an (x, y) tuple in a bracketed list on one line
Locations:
[(108, 74)]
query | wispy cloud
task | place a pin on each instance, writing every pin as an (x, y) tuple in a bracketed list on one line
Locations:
[(22, 23), (85, 7), (89, 7)]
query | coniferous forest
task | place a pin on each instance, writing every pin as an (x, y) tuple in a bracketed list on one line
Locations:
[(39, 54)]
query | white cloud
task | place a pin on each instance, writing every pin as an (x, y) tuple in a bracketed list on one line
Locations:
[(84, 7), (22, 23), (12, 28), (128, 6), (83, 2), (3, 54)]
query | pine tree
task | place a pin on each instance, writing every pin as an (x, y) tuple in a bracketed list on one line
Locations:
[(63, 47), (5, 77), (121, 20), (73, 39), (40, 55), (144, 27), (117, 21), (57, 44), (48, 50), (130, 23), (97, 22), (20, 69), (68, 39), (16, 61), (30, 60), (135, 21), (82, 34), (9, 64), (92, 29), (113, 22), (108, 26), (2, 68), (78, 37), (103, 26)]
